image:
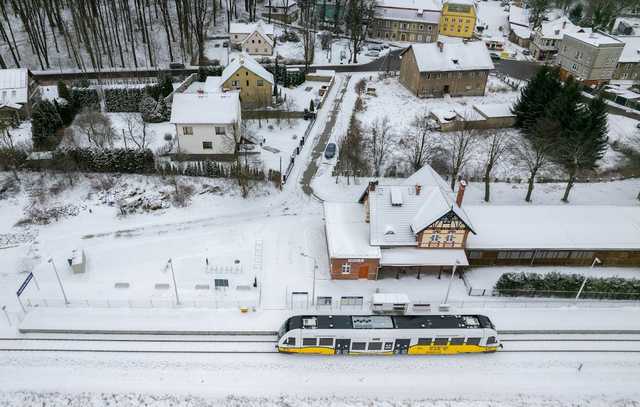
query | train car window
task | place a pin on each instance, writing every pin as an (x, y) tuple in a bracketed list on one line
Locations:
[(456, 341), (309, 341), (424, 341), (473, 341), (358, 345), (326, 341), (388, 345), (440, 341), (291, 341), (375, 346), (491, 339)]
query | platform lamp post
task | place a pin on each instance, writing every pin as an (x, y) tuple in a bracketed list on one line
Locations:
[(315, 267), (173, 277), (55, 270), (584, 282), (453, 272)]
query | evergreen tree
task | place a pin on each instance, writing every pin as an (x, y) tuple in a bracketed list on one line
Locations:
[(534, 98), (275, 87), (147, 108), (63, 91), (582, 147), (565, 110), (45, 121), (165, 82), (575, 15)]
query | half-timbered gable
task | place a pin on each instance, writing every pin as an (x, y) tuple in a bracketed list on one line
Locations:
[(447, 232)]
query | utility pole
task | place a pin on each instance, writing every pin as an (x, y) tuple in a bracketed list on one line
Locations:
[(175, 286), (315, 267), (55, 270), (584, 282), (453, 272)]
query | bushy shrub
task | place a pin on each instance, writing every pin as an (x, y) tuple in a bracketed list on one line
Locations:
[(116, 160), (45, 122), (566, 285), (85, 98)]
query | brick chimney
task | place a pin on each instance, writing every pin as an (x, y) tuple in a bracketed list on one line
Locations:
[(418, 189), (440, 46), (460, 196)]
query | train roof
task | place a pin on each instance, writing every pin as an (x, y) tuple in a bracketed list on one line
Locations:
[(388, 322)]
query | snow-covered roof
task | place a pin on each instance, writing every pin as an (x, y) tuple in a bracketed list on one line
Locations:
[(490, 110), (595, 39), (519, 16), (347, 232), (205, 108), (268, 39), (14, 86), (413, 15), (413, 256), (631, 51), (463, 56), (433, 5), (248, 28), (212, 84), (444, 115), (522, 32), (554, 227), (556, 29), (397, 225), (248, 62)]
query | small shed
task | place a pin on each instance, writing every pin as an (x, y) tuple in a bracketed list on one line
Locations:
[(78, 261), (497, 115), (390, 303)]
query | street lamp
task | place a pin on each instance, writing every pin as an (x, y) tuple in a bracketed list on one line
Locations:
[(453, 272), (315, 266), (173, 277), (584, 282), (55, 270)]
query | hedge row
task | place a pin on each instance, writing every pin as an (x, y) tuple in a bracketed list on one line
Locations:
[(88, 160), (124, 99), (566, 285), (85, 98), (208, 169)]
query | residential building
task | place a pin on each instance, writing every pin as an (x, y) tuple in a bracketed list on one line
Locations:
[(437, 69), (329, 13), (589, 57), (477, 116), (405, 20), (253, 39), (18, 92), (548, 38), (628, 66), (458, 18), (285, 11), (519, 30), (418, 225), (253, 81), (207, 124)]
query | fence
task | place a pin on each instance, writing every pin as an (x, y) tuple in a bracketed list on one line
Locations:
[(148, 303), (593, 295), (297, 151)]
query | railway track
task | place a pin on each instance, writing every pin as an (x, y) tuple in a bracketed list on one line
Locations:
[(250, 344)]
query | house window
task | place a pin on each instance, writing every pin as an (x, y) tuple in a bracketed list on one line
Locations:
[(346, 268), (220, 131), (260, 82), (450, 236), (235, 83), (435, 237), (186, 130), (207, 145), (247, 82)]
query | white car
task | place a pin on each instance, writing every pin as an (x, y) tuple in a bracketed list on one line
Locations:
[(373, 53)]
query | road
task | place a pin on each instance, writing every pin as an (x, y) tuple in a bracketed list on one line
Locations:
[(518, 69)]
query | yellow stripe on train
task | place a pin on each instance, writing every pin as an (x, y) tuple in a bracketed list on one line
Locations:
[(413, 350)]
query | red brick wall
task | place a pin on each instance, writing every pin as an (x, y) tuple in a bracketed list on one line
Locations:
[(370, 264)]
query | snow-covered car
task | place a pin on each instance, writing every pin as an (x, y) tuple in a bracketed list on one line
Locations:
[(373, 53), (330, 151)]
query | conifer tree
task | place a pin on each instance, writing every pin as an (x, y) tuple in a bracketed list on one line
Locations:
[(45, 121), (63, 91), (535, 97)]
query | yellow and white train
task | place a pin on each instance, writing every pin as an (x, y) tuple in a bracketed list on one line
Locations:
[(388, 334)]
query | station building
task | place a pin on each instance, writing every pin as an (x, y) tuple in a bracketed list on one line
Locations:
[(419, 226)]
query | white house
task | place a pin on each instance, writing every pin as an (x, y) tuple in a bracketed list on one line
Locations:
[(207, 123), (17, 93), (253, 39)]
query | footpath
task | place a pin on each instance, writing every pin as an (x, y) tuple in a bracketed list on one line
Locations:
[(189, 321)]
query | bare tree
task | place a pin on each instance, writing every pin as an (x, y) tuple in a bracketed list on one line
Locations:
[(379, 143), (357, 17), (498, 145), (96, 128), (459, 145), (308, 24), (12, 148), (534, 153), (418, 146), (135, 131)]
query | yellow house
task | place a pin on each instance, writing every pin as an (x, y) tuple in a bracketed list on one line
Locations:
[(458, 18), (253, 81)]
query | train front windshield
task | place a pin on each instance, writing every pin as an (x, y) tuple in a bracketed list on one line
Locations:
[(283, 329)]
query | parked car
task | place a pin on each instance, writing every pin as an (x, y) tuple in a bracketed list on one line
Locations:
[(374, 47), (373, 53), (176, 65), (308, 114), (526, 52), (330, 151), (225, 44), (495, 56)]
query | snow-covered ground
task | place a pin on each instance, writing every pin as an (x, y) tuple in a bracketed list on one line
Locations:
[(280, 139)]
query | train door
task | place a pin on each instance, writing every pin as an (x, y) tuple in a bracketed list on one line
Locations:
[(342, 346), (401, 346)]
